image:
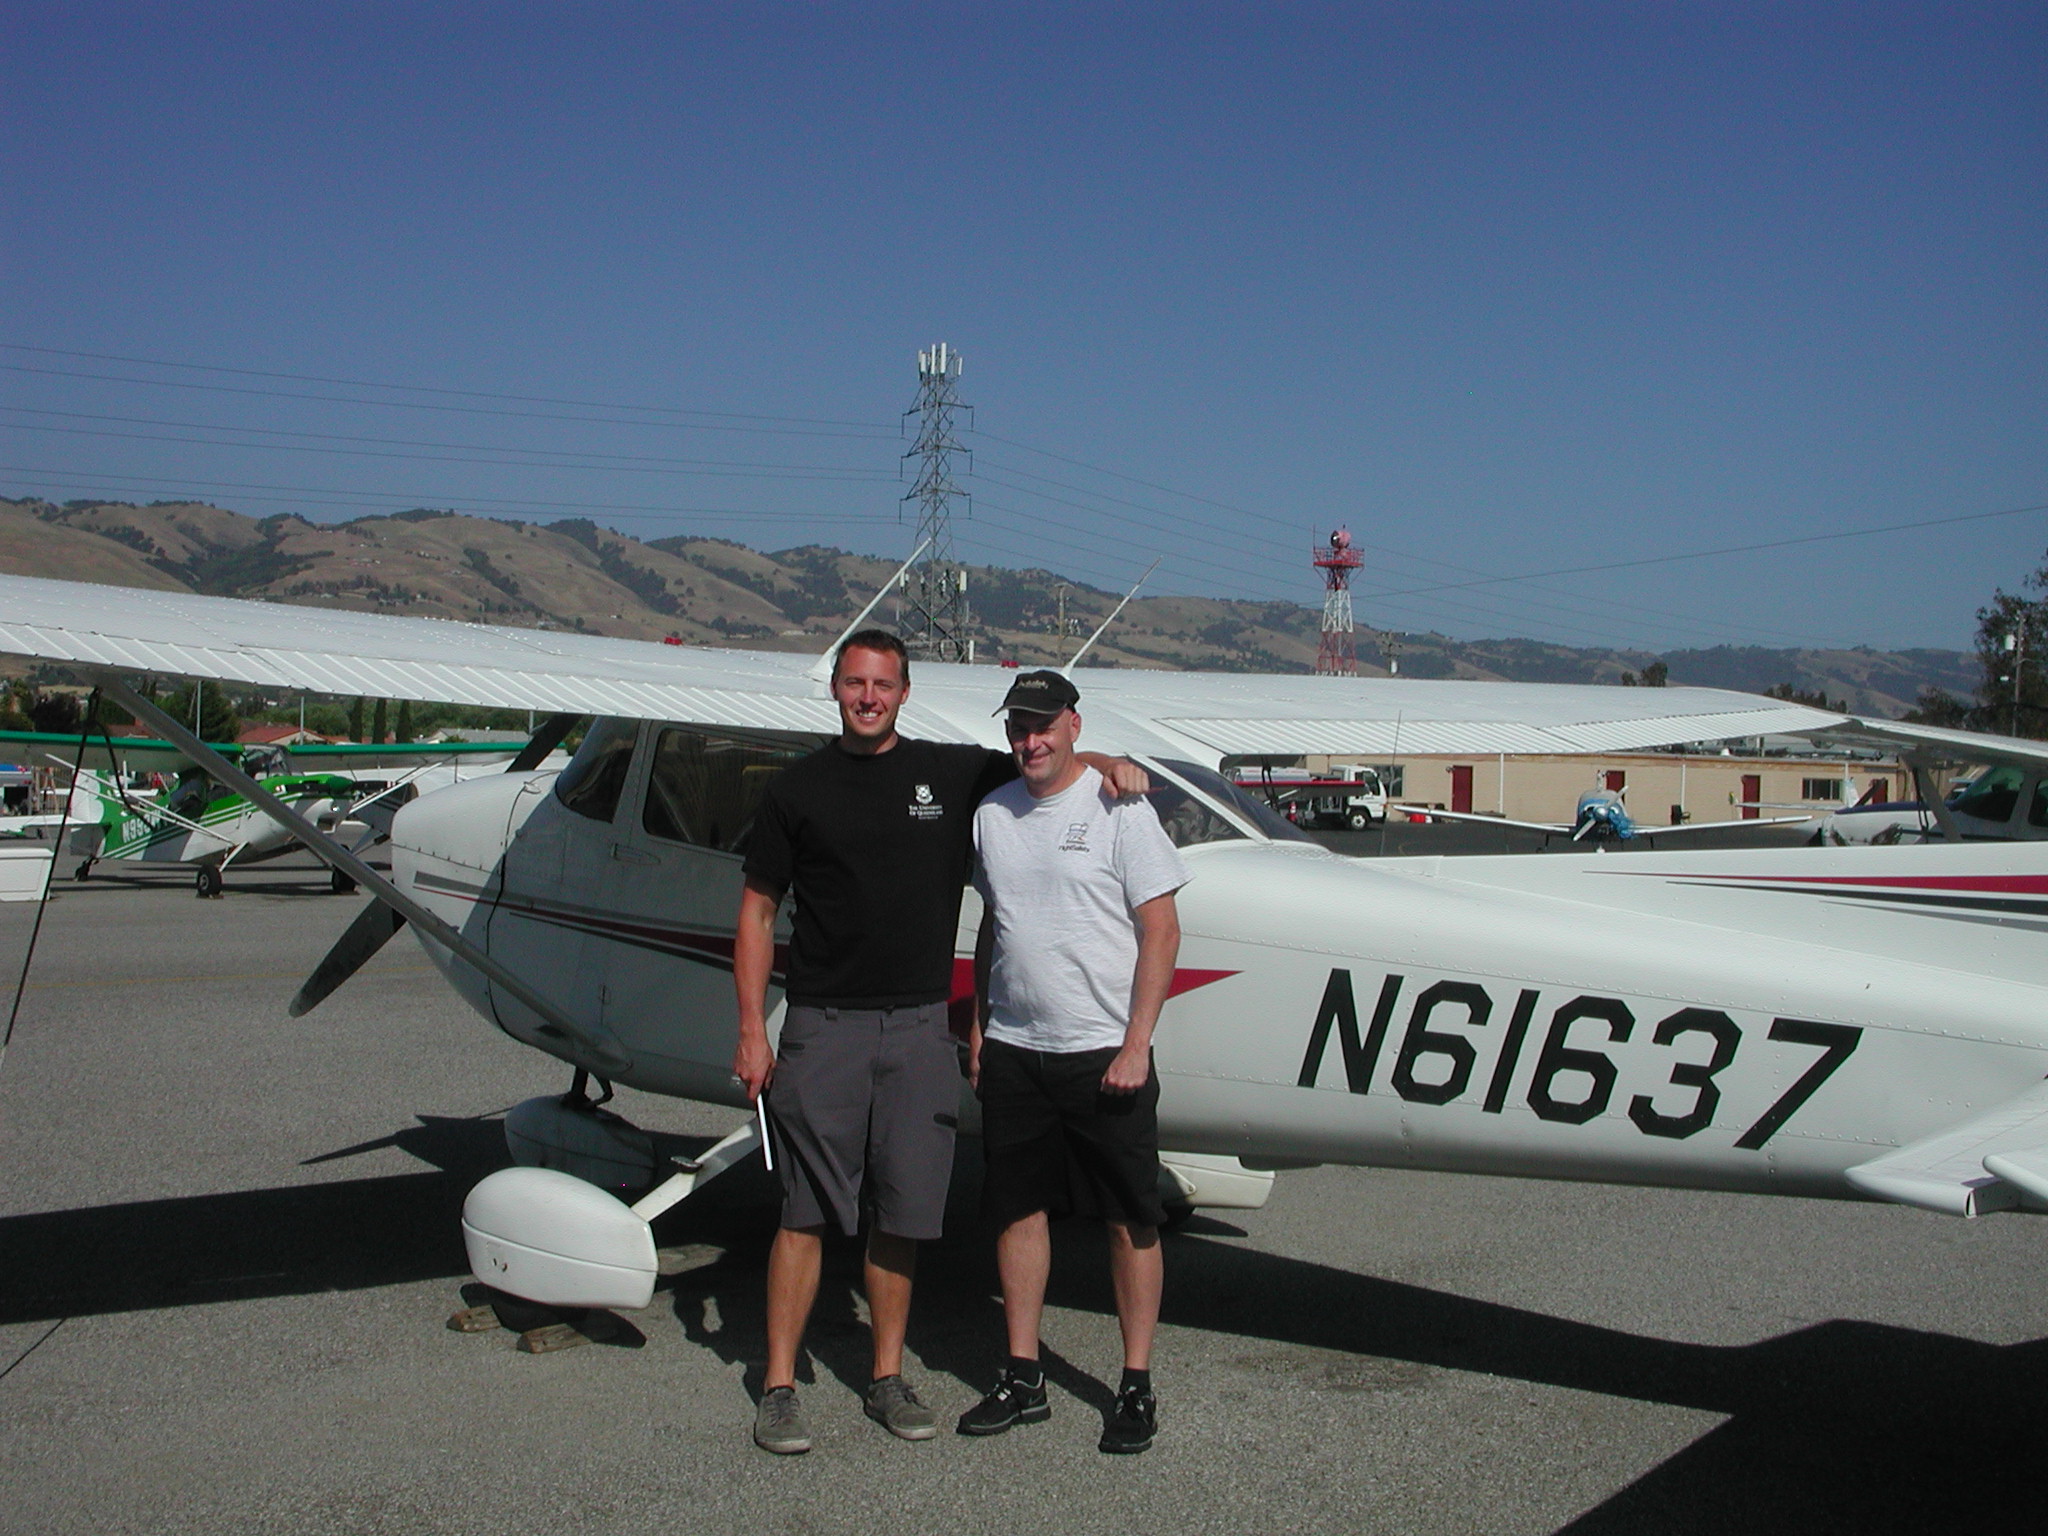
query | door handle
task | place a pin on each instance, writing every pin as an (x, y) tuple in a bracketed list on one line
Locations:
[(626, 855)]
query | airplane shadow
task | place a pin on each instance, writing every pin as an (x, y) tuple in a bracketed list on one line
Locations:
[(1843, 1426)]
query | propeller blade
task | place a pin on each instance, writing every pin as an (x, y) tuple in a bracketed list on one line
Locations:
[(370, 932)]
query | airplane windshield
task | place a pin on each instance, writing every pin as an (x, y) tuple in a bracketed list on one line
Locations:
[(1189, 821), (596, 775)]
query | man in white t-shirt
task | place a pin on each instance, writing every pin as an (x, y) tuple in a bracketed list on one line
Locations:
[(1078, 940)]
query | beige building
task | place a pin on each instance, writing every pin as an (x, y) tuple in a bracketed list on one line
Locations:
[(1662, 787)]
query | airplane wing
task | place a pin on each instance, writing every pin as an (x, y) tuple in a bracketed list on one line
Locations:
[(1432, 814), (1562, 827), (1936, 741), (1200, 716), (1991, 1162)]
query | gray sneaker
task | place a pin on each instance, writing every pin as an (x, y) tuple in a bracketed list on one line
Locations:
[(779, 1423), (893, 1404)]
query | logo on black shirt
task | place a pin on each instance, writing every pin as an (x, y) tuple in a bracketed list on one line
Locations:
[(922, 807)]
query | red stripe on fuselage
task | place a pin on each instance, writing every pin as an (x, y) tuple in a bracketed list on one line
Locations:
[(1990, 885)]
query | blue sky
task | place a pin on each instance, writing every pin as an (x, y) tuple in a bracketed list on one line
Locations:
[(1507, 289)]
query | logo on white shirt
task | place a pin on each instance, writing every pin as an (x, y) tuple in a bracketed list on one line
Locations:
[(1076, 840)]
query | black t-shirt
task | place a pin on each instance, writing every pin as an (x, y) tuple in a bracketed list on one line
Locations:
[(877, 850)]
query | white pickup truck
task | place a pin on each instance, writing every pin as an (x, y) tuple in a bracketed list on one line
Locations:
[(1347, 795)]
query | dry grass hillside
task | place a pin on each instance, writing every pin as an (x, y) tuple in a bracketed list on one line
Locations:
[(575, 575)]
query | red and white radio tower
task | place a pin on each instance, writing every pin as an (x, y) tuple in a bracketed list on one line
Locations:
[(1338, 654)]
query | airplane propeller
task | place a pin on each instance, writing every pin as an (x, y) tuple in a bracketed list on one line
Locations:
[(370, 932)]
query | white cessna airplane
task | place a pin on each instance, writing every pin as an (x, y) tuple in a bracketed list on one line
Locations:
[(1847, 1022)]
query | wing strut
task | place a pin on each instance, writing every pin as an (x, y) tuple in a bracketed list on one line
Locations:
[(821, 669), (1068, 669), (542, 742), (603, 1056)]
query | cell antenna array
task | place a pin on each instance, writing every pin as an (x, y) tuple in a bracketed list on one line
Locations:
[(934, 610), (1338, 654)]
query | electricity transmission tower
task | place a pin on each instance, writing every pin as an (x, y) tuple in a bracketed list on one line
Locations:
[(934, 614)]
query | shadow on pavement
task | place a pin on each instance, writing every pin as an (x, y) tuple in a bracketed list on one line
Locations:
[(1845, 1426)]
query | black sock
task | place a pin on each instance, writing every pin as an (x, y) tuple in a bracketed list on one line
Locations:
[(1026, 1371), (1142, 1380)]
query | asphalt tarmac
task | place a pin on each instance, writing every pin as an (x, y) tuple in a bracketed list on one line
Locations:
[(229, 1246)]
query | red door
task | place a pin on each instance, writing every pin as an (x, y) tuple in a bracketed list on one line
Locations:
[(1617, 781), (1752, 791), (1461, 787)]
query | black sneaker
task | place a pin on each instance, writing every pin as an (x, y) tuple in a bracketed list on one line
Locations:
[(1012, 1402), (1131, 1424)]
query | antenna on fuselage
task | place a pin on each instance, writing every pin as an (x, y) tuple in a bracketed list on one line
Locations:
[(1068, 669), (821, 669)]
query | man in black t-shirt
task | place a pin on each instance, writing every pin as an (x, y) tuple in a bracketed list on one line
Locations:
[(874, 835)]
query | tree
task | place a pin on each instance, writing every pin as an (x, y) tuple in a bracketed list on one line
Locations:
[(404, 731), (355, 721), (377, 725), (2013, 697), (217, 718), (1816, 699)]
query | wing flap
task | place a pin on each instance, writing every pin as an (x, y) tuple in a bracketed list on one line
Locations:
[(1951, 1172)]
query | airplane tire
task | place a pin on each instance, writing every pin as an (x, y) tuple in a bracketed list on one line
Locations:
[(341, 884), (84, 871), (206, 881)]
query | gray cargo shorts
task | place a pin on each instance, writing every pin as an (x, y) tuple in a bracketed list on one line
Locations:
[(862, 1108)]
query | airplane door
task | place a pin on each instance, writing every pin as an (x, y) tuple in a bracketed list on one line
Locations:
[(1461, 787), (554, 873), (672, 888)]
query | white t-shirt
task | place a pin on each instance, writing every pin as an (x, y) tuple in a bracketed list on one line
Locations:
[(1064, 876)]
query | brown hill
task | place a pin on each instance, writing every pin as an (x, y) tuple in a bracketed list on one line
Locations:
[(576, 575)]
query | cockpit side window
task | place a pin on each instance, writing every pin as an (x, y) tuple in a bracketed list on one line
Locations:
[(2037, 813), (704, 788), (192, 796), (596, 775), (1992, 796)]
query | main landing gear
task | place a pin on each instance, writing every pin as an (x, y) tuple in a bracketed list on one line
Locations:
[(206, 881), (341, 884), (84, 871)]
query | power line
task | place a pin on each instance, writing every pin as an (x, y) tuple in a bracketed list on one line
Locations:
[(428, 389), (653, 511), (424, 405), (407, 442), (1732, 549), (839, 477)]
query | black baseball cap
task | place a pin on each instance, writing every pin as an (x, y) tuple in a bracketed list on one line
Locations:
[(1041, 693)]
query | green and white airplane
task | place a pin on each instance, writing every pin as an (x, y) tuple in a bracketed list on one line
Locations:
[(207, 827)]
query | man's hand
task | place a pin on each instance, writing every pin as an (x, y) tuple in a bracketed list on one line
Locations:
[(1126, 778), (974, 1061), (1129, 1072), (753, 1064)]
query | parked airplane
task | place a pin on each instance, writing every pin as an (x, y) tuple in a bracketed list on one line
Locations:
[(1602, 816), (2007, 803), (202, 826), (1852, 1023)]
